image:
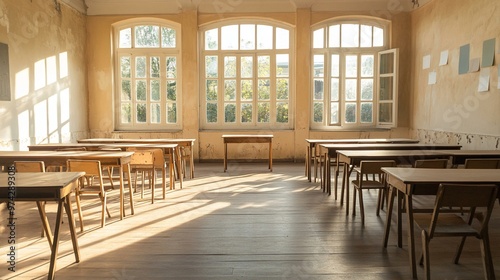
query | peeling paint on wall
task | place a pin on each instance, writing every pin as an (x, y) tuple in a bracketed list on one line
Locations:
[(467, 140)]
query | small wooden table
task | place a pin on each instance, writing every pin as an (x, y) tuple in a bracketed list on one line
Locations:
[(249, 139), (408, 182), (39, 187)]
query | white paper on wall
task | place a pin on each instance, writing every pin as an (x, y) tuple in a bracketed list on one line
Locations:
[(484, 80), (443, 58), (426, 62)]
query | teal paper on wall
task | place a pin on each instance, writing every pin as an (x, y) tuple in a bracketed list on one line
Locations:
[(4, 73), (463, 61), (488, 53)]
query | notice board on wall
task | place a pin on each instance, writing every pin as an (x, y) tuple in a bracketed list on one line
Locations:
[(4, 73)]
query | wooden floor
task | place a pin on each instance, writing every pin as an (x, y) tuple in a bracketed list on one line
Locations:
[(247, 223)]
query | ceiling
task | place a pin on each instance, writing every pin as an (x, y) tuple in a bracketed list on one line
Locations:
[(116, 7)]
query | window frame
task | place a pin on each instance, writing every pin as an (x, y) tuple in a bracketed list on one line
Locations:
[(326, 76), (163, 53), (254, 124)]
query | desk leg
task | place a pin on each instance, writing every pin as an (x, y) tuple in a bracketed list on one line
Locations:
[(390, 204), (308, 163), (225, 157), (336, 176), (411, 236), (271, 156), (171, 168), (45, 222), (130, 192), (191, 163), (400, 218), (181, 175), (122, 209), (55, 244), (328, 174), (71, 221)]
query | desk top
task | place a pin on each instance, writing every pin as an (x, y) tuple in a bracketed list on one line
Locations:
[(390, 146), (8, 157), (247, 136), (379, 154), (140, 145), (447, 175), (39, 185), (57, 146), (140, 140), (361, 141)]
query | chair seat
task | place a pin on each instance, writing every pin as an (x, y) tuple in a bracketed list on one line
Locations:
[(369, 184), (447, 225)]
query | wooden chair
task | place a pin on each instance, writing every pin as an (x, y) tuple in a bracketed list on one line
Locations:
[(31, 166), (90, 184), (109, 169), (147, 162), (378, 181), (482, 163), (439, 224), (431, 163)]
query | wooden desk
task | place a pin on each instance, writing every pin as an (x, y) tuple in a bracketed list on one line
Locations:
[(107, 158), (39, 187), (312, 143), (401, 157), (330, 150), (459, 156), (249, 139), (183, 143), (170, 149), (410, 181), (58, 146)]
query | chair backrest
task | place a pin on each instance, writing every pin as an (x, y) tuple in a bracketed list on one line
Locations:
[(373, 166), (29, 166), (141, 157), (90, 167), (431, 163), (482, 163)]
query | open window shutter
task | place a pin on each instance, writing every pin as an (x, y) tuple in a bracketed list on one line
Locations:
[(387, 89)]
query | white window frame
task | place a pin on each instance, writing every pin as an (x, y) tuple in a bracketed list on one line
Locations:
[(255, 53), (327, 52), (163, 53)]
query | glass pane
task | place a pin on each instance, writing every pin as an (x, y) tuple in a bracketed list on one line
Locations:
[(167, 37), (282, 89), (247, 37), (385, 112), (350, 112), (211, 90), (171, 113), (246, 112), (335, 89), (229, 112), (171, 67), (378, 37), (264, 89), (140, 67), (263, 112), (126, 92), (247, 90), (264, 66), (212, 39), (125, 38), (282, 38), (350, 89), (334, 36), (351, 66), (334, 113), (366, 36), (335, 65), (282, 65), (230, 66), (155, 90), (211, 66), (140, 90), (386, 63), (154, 72), (366, 112), (247, 67), (319, 65), (264, 37), (318, 112), (386, 88), (141, 113), (126, 114), (171, 90), (147, 36), (211, 112), (350, 35), (229, 90), (155, 113), (319, 38), (125, 66), (366, 89), (367, 65), (229, 37), (319, 93), (282, 112)]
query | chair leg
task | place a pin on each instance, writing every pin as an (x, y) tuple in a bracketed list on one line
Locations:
[(354, 198), (459, 250), (425, 254), (361, 206), (489, 269), (103, 209), (79, 208)]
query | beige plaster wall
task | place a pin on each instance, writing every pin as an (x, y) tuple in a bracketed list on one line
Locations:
[(452, 110), (48, 104), (287, 144)]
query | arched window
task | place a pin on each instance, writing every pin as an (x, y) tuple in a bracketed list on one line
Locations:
[(147, 72), (354, 75), (246, 75)]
